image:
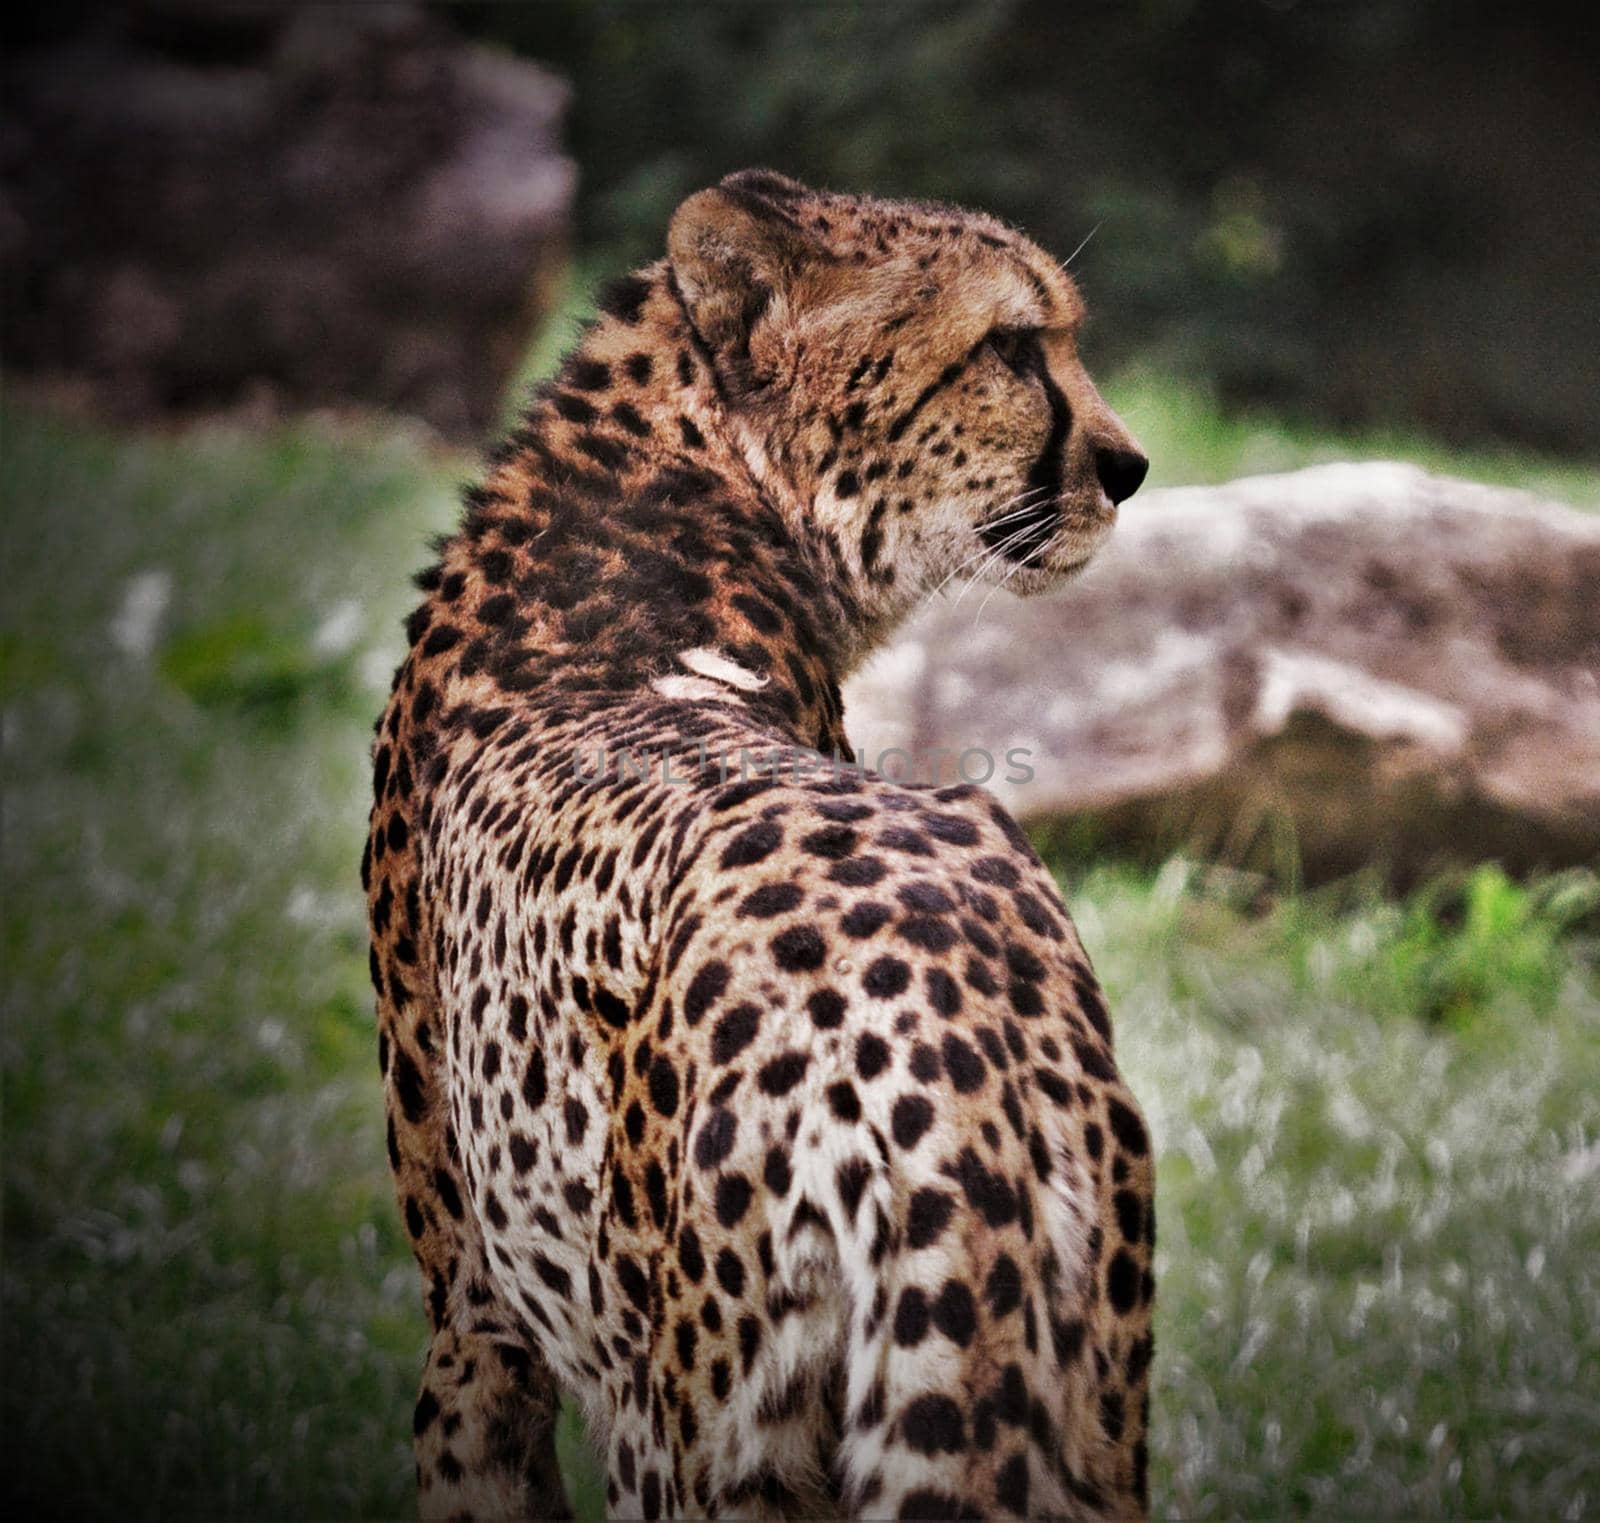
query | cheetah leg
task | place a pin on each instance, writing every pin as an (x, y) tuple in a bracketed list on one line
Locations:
[(989, 1373), (485, 1432), (485, 1417)]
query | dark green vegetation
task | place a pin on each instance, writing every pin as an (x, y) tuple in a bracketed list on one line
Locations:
[(1367, 212), (1379, 1121)]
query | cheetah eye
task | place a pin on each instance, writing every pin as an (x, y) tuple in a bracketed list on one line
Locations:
[(1015, 347)]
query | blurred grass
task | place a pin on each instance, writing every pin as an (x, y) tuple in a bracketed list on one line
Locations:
[(1379, 1120)]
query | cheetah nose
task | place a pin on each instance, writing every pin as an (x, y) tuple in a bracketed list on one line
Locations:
[(1120, 471)]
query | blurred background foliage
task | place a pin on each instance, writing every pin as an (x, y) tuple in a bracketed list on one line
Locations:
[(1366, 211)]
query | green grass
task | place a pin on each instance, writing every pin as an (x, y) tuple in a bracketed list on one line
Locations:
[(1378, 1120)]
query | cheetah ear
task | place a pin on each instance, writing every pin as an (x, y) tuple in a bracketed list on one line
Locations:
[(733, 249)]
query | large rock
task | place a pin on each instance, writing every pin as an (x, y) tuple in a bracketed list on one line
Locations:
[(332, 204), (1346, 665)]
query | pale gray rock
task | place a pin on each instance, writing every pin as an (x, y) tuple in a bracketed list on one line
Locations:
[(1350, 664)]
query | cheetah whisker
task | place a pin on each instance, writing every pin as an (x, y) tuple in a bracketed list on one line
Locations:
[(994, 523), (1014, 538), (1081, 247)]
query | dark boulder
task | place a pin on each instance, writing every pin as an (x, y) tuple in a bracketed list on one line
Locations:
[(331, 204)]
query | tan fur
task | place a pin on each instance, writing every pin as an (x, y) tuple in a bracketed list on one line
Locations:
[(773, 1117)]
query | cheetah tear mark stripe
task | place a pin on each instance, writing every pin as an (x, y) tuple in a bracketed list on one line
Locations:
[(713, 664), (1019, 538), (951, 372)]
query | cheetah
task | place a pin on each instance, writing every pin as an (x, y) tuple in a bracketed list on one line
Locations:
[(768, 1111)]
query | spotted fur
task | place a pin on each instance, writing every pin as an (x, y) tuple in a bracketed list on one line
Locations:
[(773, 1116)]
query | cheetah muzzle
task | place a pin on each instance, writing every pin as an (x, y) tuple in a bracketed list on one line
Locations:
[(773, 1118)]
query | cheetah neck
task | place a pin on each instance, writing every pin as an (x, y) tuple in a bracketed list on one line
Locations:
[(623, 543)]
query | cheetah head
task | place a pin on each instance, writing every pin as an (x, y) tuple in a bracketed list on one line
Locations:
[(905, 375)]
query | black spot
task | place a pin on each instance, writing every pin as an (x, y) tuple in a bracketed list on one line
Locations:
[(851, 1178), (633, 1281), (781, 1075), (800, 949), (1066, 1338), (989, 1194), (955, 1313), (771, 899), (927, 932), (1003, 1289), (844, 1102), (715, 1140), (1011, 1485), (933, 1425), (886, 978), (1097, 1065), (858, 872), (610, 1009), (911, 1318), (690, 1258), (734, 1032), (1025, 999), (832, 842), (408, 1087), (910, 1119), (951, 828), (534, 1086), (1055, 1086), (663, 1086), (1128, 1129), (944, 993), (749, 1341), (707, 986), (441, 639), (826, 1009), (624, 298), (1122, 1282), (965, 1067), (925, 898), (995, 871), (936, 1507), (927, 1217), (626, 414), (775, 1174), (730, 1272), (553, 1275), (1139, 1357), (864, 919), (733, 1199), (573, 409), (912, 842), (752, 844), (872, 1055), (1130, 1215), (586, 374)]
